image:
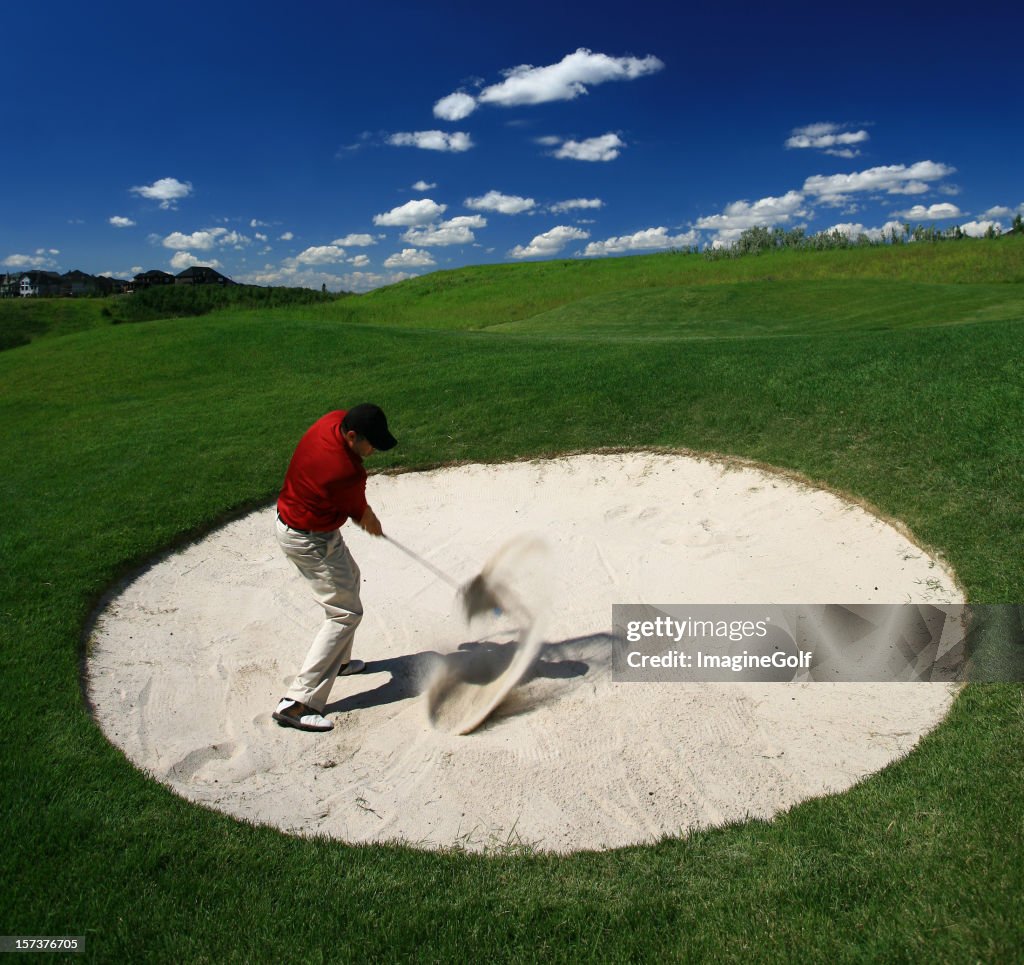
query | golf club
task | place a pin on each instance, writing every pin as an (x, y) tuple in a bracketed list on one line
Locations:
[(476, 595), (419, 559)]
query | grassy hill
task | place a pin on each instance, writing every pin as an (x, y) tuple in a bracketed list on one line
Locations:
[(900, 380), (25, 319), (480, 297)]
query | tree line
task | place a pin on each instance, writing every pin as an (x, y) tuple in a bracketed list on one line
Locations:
[(182, 301), (759, 239)]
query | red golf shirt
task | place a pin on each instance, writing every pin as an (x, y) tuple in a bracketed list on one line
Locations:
[(326, 482)]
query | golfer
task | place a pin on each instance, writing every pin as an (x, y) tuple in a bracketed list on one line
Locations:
[(326, 485)]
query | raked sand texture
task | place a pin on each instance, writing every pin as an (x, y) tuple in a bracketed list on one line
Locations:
[(187, 662)]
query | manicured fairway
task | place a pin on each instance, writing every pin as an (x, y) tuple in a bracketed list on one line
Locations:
[(905, 390)]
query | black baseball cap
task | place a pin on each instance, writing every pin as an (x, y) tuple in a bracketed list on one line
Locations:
[(370, 422)]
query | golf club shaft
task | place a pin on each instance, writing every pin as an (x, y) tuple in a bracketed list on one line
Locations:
[(419, 559)]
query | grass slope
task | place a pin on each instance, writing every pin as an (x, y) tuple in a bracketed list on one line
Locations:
[(123, 441), (489, 295), (769, 308), (24, 319)]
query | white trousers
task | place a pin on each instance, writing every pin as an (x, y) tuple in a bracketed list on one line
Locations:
[(327, 565)]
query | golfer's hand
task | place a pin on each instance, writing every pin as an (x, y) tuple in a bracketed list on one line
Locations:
[(370, 523)]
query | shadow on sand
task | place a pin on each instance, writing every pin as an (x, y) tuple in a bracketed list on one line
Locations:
[(480, 663)]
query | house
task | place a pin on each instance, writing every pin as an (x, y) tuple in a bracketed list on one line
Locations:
[(40, 284), (200, 275), (78, 283), (155, 277)]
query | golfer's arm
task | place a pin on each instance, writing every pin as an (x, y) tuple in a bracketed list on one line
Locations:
[(370, 523)]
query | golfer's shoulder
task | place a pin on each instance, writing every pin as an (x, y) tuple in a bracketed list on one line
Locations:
[(330, 420)]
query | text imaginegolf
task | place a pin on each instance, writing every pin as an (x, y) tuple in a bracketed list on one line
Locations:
[(712, 661), (667, 628)]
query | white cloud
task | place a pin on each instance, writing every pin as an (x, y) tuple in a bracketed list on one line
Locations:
[(235, 239), (360, 261), (168, 191), (603, 148), (422, 185), (741, 215), (363, 281), (456, 231), (455, 106), (410, 258), (39, 260), (502, 203), (287, 236), (411, 214), (549, 243), (467, 220), (888, 229), (1002, 211), (118, 222), (256, 223), (892, 178), (204, 239), (932, 213), (650, 239), (977, 229), (566, 80), (355, 241), (185, 259), (575, 203), (827, 137), (305, 278), (549, 140), (432, 140), (319, 255), (854, 230), (260, 237)]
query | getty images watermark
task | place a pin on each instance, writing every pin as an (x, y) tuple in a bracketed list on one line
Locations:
[(820, 642)]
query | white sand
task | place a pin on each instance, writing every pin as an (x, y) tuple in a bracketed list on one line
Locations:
[(187, 663)]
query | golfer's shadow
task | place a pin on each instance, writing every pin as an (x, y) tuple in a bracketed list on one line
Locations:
[(477, 662)]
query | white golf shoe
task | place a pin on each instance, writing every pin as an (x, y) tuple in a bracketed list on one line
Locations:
[(290, 713)]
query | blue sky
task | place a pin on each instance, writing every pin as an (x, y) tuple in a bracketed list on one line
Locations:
[(352, 146)]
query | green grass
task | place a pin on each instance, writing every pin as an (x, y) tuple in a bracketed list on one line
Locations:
[(125, 440), (771, 308), (489, 295), (24, 319)]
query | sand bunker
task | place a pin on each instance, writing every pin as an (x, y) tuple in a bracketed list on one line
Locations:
[(188, 661)]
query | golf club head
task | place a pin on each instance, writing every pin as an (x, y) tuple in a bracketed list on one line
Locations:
[(478, 597), (514, 582)]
